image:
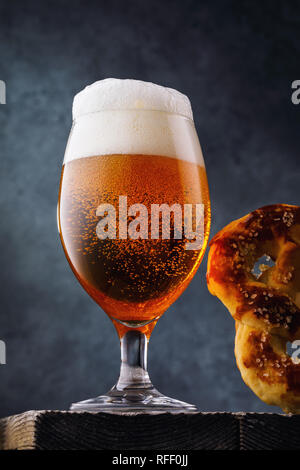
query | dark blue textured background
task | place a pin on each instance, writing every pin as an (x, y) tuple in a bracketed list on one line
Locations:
[(236, 61)]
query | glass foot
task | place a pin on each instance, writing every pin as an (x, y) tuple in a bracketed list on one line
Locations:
[(147, 401)]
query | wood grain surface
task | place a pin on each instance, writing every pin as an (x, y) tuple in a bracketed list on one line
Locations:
[(56, 430)]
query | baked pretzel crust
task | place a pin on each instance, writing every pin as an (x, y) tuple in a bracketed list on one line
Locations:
[(266, 307)]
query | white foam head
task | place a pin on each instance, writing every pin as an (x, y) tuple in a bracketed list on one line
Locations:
[(114, 94), (132, 117)]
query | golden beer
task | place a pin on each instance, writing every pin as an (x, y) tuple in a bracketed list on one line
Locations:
[(134, 219), (132, 280)]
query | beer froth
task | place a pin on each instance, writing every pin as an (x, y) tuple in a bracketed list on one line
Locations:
[(130, 116), (114, 94)]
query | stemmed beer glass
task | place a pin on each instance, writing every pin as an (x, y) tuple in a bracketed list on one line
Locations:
[(134, 219)]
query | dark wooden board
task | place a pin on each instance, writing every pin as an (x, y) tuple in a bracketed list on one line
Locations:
[(55, 430), (268, 431)]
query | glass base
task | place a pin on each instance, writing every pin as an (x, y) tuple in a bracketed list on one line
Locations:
[(132, 401)]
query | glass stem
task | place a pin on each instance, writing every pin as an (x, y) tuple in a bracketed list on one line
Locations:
[(133, 372)]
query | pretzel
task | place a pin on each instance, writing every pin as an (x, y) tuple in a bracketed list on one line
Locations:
[(266, 307)]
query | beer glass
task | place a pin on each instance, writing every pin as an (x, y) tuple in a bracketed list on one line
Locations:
[(134, 219)]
